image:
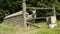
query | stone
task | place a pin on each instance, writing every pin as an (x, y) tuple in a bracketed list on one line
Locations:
[(51, 22), (52, 25)]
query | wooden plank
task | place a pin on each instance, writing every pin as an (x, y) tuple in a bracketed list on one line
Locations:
[(34, 25), (39, 18), (39, 8)]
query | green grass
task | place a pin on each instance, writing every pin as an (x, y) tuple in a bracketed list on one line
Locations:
[(4, 29), (41, 23), (48, 30)]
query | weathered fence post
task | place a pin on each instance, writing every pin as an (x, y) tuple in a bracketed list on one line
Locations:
[(51, 21), (34, 14), (47, 20), (24, 12)]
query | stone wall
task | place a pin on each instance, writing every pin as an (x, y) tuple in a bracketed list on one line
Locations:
[(15, 21)]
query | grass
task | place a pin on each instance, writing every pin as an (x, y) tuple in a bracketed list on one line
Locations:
[(4, 29), (48, 30)]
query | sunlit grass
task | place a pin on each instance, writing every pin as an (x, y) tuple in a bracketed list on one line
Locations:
[(48, 30), (4, 29)]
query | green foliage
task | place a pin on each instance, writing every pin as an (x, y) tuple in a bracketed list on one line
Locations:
[(2, 14), (40, 3), (13, 6), (10, 5), (57, 5)]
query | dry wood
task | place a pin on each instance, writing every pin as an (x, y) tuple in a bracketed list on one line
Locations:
[(39, 8)]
